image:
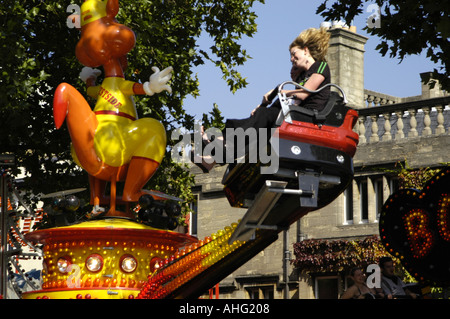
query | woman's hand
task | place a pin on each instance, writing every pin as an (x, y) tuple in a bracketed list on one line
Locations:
[(254, 110), (265, 100)]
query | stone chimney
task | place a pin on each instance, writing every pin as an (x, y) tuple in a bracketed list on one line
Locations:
[(346, 60), (427, 91)]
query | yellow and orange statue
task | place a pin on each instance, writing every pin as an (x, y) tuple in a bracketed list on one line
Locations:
[(110, 142)]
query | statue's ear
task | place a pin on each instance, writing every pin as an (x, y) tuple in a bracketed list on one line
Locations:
[(112, 8)]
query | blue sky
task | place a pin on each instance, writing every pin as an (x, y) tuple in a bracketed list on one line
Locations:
[(279, 22)]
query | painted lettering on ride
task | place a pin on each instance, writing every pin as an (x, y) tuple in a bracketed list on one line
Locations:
[(109, 97)]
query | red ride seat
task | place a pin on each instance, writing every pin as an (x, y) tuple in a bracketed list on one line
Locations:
[(314, 151), (332, 127)]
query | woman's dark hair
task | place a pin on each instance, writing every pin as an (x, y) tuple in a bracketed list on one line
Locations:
[(353, 270)]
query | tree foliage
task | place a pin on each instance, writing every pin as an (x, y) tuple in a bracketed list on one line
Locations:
[(415, 178), (409, 177), (341, 255), (321, 255), (38, 52), (405, 28)]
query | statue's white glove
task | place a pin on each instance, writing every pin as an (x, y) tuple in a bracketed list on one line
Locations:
[(158, 81), (88, 72)]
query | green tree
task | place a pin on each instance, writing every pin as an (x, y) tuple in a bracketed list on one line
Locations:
[(38, 52), (214, 118), (405, 28)]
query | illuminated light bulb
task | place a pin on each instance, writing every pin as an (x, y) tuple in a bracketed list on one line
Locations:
[(94, 263), (63, 263), (155, 264), (88, 282)]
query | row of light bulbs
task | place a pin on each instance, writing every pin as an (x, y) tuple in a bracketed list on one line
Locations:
[(188, 263)]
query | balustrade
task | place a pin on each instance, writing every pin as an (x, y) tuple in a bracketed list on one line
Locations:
[(373, 98), (396, 121)]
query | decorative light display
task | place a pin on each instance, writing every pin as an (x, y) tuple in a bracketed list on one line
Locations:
[(444, 217), (144, 267), (97, 257), (420, 237), (415, 227), (188, 263)]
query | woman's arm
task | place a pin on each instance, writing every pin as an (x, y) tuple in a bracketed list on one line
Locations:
[(312, 84), (349, 293)]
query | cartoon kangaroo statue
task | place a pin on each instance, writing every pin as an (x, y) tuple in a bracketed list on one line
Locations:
[(110, 142)]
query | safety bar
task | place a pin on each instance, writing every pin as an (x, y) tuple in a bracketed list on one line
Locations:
[(280, 87)]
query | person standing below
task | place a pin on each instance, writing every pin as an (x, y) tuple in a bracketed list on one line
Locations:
[(393, 287), (360, 290)]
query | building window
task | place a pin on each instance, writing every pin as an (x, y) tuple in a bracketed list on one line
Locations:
[(348, 205), (393, 185), (262, 292), (327, 287), (192, 224), (364, 200), (365, 197), (379, 195)]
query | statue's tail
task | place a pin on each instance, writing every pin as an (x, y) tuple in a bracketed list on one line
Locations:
[(70, 105), (60, 104)]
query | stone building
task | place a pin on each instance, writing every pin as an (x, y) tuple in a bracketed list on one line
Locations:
[(391, 129)]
